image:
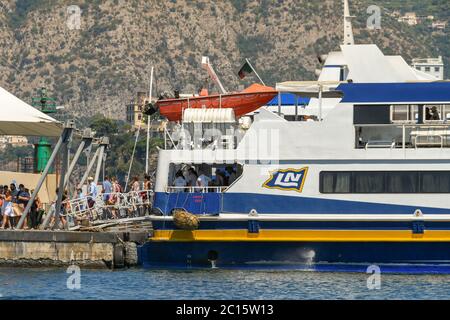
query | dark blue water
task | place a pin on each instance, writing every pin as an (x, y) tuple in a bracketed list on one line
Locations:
[(16, 283)]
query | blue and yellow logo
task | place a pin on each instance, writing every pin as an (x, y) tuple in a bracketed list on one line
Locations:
[(287, 179)]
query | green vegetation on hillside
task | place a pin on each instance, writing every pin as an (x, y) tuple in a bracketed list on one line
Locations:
[(121, 146)]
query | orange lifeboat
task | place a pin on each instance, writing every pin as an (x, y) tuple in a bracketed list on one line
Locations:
[(242, 102)]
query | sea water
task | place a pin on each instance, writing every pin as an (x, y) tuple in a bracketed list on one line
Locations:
[(141, 284)]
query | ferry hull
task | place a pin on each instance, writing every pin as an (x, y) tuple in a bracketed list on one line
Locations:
[(344, 256)]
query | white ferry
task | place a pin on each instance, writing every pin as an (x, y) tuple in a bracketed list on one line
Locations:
[(358, 175)]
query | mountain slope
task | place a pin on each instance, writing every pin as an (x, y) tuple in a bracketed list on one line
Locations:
[(98, 69)]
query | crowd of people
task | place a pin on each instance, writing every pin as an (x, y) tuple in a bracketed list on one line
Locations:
[(13, 200), (201, 182), (15, 197)]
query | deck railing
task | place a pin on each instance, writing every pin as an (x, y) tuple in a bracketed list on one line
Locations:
[(217, 189), (431, 135), (107, 206)]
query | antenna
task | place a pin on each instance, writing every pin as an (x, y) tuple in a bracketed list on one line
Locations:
[(148, 122), (348, 30)]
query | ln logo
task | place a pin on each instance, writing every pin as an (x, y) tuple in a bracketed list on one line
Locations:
[(287, 179)]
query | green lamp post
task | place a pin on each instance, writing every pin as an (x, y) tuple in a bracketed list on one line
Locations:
[(43, 149)]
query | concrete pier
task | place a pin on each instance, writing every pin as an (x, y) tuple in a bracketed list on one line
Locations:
[(63, 248)]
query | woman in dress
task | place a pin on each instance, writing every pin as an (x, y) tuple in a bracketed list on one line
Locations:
[(116, 190), (7, 209)]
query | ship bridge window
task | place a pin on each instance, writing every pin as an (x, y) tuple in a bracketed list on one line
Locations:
[(203, 178), (404, 113), (371, 114), (436, 113), (385, 182)]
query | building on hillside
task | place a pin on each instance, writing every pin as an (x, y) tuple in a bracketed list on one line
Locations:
[(432, 66), (135, 108), (136, 117), (439, 25), (410, 18)]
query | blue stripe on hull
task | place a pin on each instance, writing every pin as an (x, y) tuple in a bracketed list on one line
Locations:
[(214, 203), (309, 225), (295, 255)]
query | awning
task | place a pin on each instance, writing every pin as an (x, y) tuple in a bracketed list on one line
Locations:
[(388, 93), (19, 118), (311, 89)]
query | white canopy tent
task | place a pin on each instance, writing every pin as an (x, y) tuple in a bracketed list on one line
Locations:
[(311, 89), (19, 118)]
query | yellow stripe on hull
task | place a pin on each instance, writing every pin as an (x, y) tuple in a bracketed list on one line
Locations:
[(302, 236)]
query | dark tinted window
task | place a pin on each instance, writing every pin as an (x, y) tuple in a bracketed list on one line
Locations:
[(402, 182), (385, 182), (336, 182), (435, 182), (369, 182), (372, 114)]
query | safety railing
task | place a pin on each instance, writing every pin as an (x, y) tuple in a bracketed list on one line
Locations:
[(109, 206), (217, 189), (430, 135)]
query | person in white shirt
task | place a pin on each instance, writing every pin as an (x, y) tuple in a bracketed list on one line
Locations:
[(203, 182), (92, 192)]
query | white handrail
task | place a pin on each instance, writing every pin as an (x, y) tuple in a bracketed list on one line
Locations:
[(89, 208), (196, 189)]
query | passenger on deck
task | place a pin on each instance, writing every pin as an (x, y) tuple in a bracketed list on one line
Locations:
[(107, 189), (92, 192), (191, 179), (231, 175), (219, 180), (203, 182), (147, 183), (179, 182), (428, 114), (135, 185), (435, 114)]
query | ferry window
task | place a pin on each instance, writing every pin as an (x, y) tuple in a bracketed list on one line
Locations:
[(335, 182), (399, 113), (203, 177), (402, 182), (385, 182), (427, 69), (437, 69), (371, 114), (369, 182), (404, 113), (436, 112), (435, 182)]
